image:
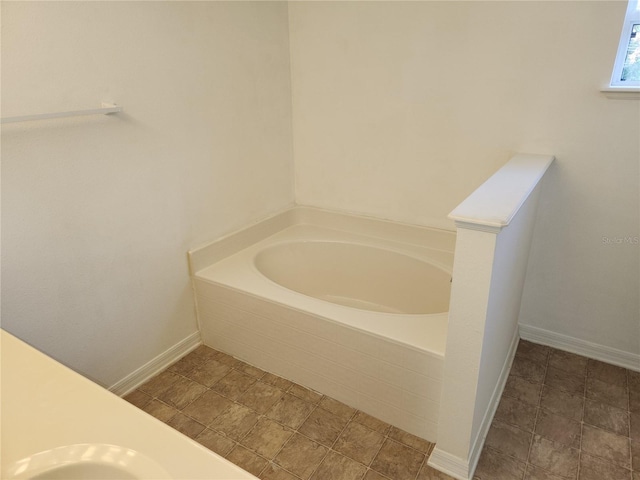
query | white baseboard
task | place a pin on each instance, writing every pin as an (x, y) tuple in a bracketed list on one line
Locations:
[(156, 365), (453, 466), (581, 347), (463, 469)]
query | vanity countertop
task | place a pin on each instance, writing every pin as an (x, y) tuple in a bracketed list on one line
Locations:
[(45, 405)]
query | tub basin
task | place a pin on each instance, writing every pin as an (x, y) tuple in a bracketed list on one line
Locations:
[(359, 276)]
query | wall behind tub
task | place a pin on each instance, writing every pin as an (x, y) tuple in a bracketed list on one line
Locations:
[(401, 109), (99, 212)]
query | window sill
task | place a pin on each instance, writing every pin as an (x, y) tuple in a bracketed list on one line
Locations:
[(621, 93)]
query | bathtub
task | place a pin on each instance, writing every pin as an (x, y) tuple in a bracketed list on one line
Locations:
[(352, 307)]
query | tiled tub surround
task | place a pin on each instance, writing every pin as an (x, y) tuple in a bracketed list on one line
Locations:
[(387, 365), (561, 416)]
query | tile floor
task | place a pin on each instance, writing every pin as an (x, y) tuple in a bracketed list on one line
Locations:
[(561, 417)]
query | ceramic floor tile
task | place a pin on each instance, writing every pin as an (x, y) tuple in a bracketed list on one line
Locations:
[(323, 426), (607, 373), (634, 401), (203, 354), (373, 475), (279, 430), (181, 393), (208, 373), (607, 417), (159, 383), (250, 370), (337, 408), (261, 396), (371, 422), (635, 426), (185, 364), (593, 468), (138, 398), (528, 369), (160, 410), (554, 457), (523, 390), (304, 393), (276, 381), (235, 422), (186, 425), (274, 472), (359, 443), (515, 412), (608, 393), (509, 440), (533, 351), (537, 473), (410, 440), (562, 403), (301, 456), (429, 473), (397, 461), (247, 460), (635, 455), (207, 407), (267, 437), (290, 410), (233, 384), (633, 380), (215, 441), (556, 378), (568, 362), (494, 465), (606, 445), (227, 359), (337, 467), (558, 429)]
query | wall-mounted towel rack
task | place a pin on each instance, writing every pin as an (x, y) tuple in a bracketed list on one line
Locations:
[(106, 109)]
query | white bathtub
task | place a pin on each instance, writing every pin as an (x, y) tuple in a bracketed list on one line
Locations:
[(352, 307), (357, 275)]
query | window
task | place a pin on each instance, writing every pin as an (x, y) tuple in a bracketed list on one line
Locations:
[(626, 71)]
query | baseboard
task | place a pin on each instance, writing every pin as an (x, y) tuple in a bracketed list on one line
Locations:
[(453, 466), (581, 347), (463, 469), (156, 365)]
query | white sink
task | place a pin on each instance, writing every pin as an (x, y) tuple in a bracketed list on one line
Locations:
[(88, 461)]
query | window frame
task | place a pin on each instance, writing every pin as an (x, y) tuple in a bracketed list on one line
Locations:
[(632, 17)]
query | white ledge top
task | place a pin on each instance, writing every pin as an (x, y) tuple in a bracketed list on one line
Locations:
[(495, 202), (621, 93)]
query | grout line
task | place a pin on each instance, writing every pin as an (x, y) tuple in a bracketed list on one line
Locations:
[(424, 461)]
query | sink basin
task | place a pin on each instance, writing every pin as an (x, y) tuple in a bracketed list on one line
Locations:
[(88, 461)]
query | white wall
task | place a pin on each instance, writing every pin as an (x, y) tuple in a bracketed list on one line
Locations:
[(402, 109), (99, 212)]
